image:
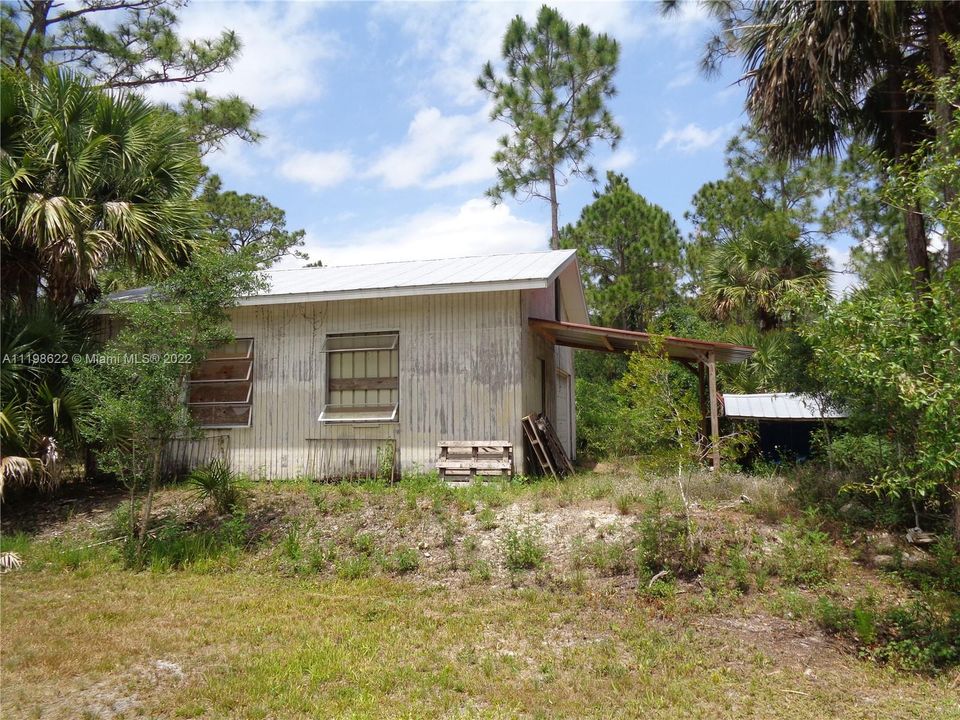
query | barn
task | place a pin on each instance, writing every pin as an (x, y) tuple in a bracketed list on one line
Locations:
[(337, 371)]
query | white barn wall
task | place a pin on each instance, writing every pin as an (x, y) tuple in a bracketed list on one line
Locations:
[(460, 379)]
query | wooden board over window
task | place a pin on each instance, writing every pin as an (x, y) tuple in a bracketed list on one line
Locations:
[(221, 387), (363, 378)]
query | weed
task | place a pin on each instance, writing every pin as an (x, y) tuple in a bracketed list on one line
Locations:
[(291, 546), (487, 519), (353, 568), (803, 557), (402, 560), (523, 548), (609, 558), (364, 543), (625, 503), (666, 542), (481, 571)]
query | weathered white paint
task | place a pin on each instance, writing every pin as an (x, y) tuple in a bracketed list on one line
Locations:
[(468, 370)]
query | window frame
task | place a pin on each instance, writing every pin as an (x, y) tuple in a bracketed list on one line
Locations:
[(331, 413), (249, 357)]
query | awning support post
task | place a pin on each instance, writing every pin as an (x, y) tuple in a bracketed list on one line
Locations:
[(714, 417), (704, 410)]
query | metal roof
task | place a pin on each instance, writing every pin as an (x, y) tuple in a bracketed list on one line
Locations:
[(776, 406), (589, 337), (519, 271)]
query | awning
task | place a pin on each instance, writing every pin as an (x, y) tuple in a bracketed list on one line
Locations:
[(589, 337)]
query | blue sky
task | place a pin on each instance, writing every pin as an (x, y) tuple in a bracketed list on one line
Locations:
[(378, 144)]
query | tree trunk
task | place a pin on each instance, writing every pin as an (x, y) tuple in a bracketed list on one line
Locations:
[(554, 212), (916, 237), (39, 13), (939, 65), (955, 491), (148, 501)]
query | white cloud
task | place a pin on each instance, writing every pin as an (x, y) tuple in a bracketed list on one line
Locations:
[(620, 159), (692, 138), (473, 228), (843, 280), (685, 75), (318, 169), (439, 151), (281, 57), (455, 39)]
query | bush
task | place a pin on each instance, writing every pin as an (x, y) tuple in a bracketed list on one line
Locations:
[(804, 557), (666, 543), (523, 548), (216, 482)]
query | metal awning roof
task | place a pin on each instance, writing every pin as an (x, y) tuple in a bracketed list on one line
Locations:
[(776, 406), (588, 337)]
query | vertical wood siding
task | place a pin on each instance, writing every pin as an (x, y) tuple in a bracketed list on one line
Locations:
[(460, 379)]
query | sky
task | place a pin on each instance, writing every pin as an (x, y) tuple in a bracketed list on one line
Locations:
[(378, 143)]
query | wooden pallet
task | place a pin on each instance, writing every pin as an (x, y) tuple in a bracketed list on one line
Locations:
[(463, 460), (546, 445)]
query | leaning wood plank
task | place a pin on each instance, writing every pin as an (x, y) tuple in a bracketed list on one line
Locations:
[(538, 442), (555, 446)]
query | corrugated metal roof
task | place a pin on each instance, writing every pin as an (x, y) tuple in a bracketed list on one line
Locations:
[(776, 406), (589, 337), (413, 277), (517, 271)]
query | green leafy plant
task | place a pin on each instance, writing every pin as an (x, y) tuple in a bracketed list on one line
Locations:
[(523, 548), (217, 483)]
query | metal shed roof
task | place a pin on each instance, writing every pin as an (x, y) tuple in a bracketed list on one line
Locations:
[(588, 337), (519, 271), (776, 406)]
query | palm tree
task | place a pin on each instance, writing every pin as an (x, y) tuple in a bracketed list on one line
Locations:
[(819, 73), (89, 180), (749, 275)]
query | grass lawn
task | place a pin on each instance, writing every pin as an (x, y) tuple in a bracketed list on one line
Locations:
[(266, 633)]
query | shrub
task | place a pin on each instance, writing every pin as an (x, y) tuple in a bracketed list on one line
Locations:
[(609, 558), (666, 542), (803, 557), (523, 548), (216, 482)]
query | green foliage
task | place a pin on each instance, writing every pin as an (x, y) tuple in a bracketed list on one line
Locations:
[(552, 96), (666, 542), (90, 180), (353, 568), (755, 233), (402, 560), (523, 548), (803, 556), (217, 483), (914, 636), (130, 44), (137, 381), (629, 254), (892, 357), (250, 224), (41, 410), (174, 546)]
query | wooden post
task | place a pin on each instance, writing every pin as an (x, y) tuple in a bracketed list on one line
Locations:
[(714, 419), (704, 411)]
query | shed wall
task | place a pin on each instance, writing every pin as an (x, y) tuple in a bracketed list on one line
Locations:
[(460, 379)]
